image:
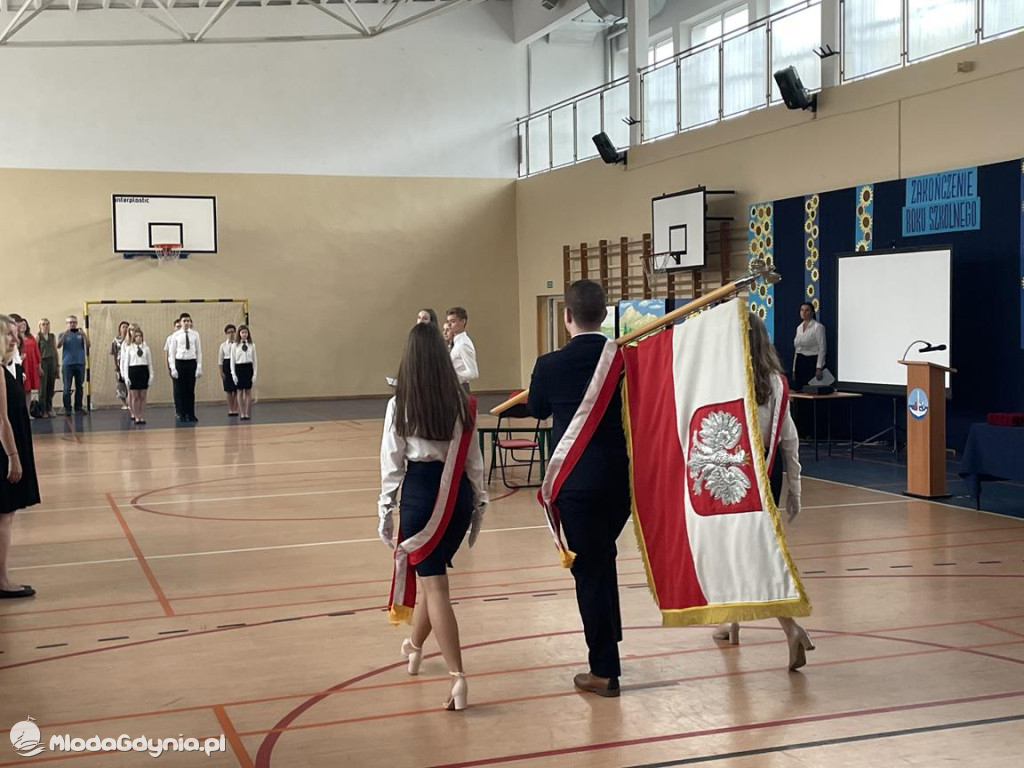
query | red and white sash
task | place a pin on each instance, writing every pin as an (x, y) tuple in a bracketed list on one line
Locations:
[(413, 550), (780, 400), (577, 435)]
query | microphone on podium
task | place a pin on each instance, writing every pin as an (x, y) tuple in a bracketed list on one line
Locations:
[(928, 347)]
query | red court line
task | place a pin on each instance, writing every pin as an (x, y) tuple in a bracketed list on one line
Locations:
[(932, 649), (77, 541), (150, 577), (802, 558), (231, 734), (747, 727)]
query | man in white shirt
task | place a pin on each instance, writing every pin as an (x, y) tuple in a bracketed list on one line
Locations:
[(185, 359), (167, 357), (463, 352)]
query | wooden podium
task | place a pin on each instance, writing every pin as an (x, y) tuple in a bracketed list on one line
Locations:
[(926, 428)]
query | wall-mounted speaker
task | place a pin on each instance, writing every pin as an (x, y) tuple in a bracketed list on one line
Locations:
[(793, 91), (607, 150)]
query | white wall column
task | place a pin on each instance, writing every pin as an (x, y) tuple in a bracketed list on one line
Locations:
[(830, 21), (638, 16)]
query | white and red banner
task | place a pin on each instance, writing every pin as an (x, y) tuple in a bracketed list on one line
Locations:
[(705, 518)]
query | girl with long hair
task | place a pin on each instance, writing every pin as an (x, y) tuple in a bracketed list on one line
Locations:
[(19, 487), (243, 370), (30, 359), (429, 449), (137, 372), (769, 389)]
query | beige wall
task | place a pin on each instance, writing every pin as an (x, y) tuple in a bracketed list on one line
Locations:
[(335, 268), (924, 118)]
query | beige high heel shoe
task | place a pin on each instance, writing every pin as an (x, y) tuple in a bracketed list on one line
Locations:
[(728, 631), (799, 644), (414, 654), (460, 693)]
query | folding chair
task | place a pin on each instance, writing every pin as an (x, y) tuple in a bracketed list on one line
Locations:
[(511, 447)]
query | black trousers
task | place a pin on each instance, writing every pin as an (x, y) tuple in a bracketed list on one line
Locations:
[(592, 521), (185, 388), (803, 373)]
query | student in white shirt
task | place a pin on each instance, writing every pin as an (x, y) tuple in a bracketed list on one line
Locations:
[(768, 387), (167, 358), (419, 425), (463, 352), (137, 372), (185, 359), (243, 370), (224, 364)]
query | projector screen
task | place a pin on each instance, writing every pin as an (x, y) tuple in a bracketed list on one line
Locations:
[(887, 299)]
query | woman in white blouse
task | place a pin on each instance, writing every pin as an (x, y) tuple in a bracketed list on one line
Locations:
[(768, 389), (809, 347), (429, 407), (137, 372), (243, 370)]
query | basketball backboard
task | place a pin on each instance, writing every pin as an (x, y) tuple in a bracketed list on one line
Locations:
[(142, 221), (677, 230)]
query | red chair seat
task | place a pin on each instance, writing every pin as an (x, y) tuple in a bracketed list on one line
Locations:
[(516, 444)]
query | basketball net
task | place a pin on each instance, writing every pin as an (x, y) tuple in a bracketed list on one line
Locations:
[(167, 253)]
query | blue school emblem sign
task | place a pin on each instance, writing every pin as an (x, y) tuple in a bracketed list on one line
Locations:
[(917, 403)]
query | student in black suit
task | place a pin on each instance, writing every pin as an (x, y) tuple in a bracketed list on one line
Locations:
[(594, 501)]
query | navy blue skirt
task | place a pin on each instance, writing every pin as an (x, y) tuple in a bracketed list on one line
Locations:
[(244, 372), (419, 492), (226, 380)]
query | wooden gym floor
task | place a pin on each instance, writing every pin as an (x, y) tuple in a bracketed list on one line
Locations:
[(229, 580)]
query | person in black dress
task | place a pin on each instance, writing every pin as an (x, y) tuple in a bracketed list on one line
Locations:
[(19, 487)]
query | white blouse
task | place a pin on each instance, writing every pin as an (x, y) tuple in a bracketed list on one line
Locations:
[(395, 451), (130, 358), (810, 341), (224, 353), (241, 356)]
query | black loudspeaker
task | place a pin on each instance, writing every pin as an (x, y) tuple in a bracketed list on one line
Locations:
[(793, 91), (608, 151)]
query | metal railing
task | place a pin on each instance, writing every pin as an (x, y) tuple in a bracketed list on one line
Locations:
[(733, 74)]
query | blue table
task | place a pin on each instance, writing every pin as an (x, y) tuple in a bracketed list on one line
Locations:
[(992, 453)]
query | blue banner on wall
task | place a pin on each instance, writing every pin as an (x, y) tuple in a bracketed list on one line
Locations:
[(942, 202), (1022, 254)]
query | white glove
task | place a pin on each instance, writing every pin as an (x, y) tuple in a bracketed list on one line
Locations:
[(253, 379), (476, 522), (199, 375), (236, 380), (792, 507), (386, 527), (174, 373)]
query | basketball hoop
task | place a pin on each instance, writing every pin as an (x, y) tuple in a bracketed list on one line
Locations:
[(167, 252)]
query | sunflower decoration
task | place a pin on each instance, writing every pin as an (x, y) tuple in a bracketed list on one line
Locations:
[(808, 224), (762, 290), (814, 253), (760, 212), (816, 305), (862, 245), (768, 211), (753, 212), (867, 235), (815, 200), (753, 306), (761, 312), (865, 222), (860, 210), (866, 194), (768, 301), (768, 241), (752, 225), (809, 263), (814, 232), (815, 274), (808, 205), (810, 290)]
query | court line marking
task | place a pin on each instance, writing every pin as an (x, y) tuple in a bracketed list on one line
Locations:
[(203, 466), (243, 550), (862, 737), (231, 733), (146, 570)]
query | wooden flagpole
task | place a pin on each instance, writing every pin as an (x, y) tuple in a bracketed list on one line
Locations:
[(758, 270)]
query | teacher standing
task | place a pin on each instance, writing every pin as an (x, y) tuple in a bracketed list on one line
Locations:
[(809, 347)]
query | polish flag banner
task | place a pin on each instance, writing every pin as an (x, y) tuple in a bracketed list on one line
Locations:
[(706, 523)]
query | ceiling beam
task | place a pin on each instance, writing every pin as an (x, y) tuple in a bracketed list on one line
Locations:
[(333, 15), (436, 10), (166, 13), (362, 27), (224, 7), (15, 24)]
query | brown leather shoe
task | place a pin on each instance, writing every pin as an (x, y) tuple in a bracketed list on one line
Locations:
[(602, 686)]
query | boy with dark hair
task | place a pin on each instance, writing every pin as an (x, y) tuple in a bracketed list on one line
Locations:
[(594, 500)]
